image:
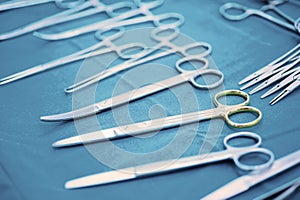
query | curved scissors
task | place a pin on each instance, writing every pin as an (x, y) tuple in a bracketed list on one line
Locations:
[(231, 152), (105, 46), (221, 111), (85, 9), (164, 36), (13, 4), (246, 12), (127, 18), (184, 76)]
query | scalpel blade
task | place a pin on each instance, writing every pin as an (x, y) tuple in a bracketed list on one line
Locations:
[(243, 183)]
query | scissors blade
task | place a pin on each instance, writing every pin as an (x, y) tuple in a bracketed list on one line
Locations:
[(146, 170), (76, 114), (103, 178), (136, 128), (229, 190), (240, 184), (121, 99)]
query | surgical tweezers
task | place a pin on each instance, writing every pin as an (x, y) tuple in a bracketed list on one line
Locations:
[(105, 46), (88, 8)]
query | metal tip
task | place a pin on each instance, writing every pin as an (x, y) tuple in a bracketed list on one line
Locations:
[(45, 36), (72, 185), (279, 97), (72, 141), (57, 118)]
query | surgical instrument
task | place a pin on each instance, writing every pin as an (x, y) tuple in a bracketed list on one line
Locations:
[(164, 36), (125, 19), (86, 9), (291, 24), (231, 152), (293, 80), (221, 110), (277, 75), (278, 69), (184, 76), (281, 192), (105, 46), (13, 4), (271, 67), (245, 182)]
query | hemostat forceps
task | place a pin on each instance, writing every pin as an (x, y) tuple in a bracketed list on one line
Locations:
[(221, 110), (231, 152), (291, 24), (13, 4), (105, 46), (127, 18), (164, 37), (184, 76), (85, 9)]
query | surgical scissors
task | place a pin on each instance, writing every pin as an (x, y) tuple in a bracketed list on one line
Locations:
[(245, 182), (184, 76), (13, 4), (105, 46), (86, 9), (221, 111), (231, 152), (246, 12), (164, 36), (125, 19)]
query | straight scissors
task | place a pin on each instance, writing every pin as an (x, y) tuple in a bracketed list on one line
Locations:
[(184, 76), (125, 19), (231, 152), (221, 111), (13, 4), (105, 46), (164, 36), (291, 24), (245, 182), (85, 9)]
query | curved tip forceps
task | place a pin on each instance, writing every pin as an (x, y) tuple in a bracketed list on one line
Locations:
[(85, 9), (289, 23), (128, 18), (184, 76), (221, 111), (231, 152), (164, 36), (106, 45)]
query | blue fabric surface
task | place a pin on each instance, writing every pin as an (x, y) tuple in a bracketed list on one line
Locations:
[(31, 169)]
